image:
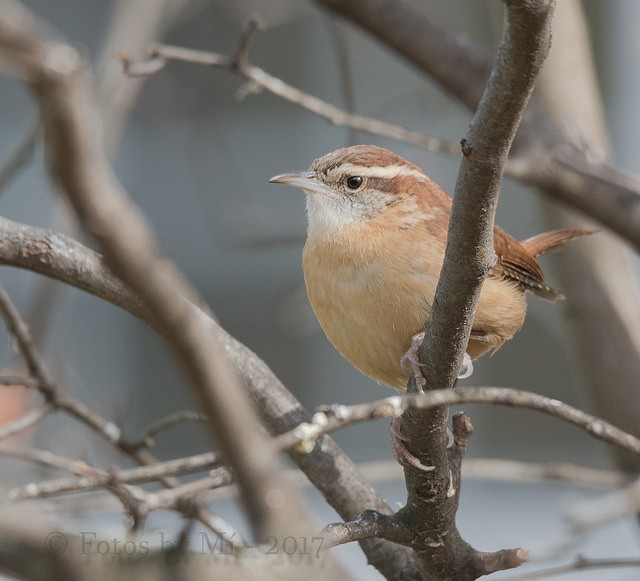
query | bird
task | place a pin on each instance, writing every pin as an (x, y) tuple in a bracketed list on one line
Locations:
[(376, 238)]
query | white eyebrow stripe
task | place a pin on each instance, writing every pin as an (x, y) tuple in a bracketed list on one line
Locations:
[(389, 171)]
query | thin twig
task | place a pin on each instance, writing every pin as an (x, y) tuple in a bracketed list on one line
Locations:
[(20, 331), (332, 418), (492, 469), (500, 469), (581, 564), (149, 437), (367, 525), (260, 79), (511, 470), (26, 421), (48, 459), (590, 514), (20, 156), (17, 380), (138, 475)]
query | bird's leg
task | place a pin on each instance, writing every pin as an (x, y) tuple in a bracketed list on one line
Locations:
[(411, 366), (410, 362)]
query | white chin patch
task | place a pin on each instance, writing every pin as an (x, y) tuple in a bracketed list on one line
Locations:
[(326, 214)]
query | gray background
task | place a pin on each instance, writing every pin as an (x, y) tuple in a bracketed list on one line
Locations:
[(197, 161)]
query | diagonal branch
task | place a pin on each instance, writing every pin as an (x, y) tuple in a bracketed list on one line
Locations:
[(20, 157), (62, 258), (259, 79), (79, 165)]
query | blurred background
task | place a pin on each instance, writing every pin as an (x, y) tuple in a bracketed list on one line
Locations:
[(197, 160)]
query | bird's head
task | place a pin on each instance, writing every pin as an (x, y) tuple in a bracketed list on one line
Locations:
[(354, 184)]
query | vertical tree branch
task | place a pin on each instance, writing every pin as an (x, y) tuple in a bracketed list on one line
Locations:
[(433, 496)]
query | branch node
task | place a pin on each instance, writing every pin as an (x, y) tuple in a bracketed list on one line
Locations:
[(467, 149), (240, 59)]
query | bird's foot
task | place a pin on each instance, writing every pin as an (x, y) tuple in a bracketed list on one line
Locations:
[(400, 451), (410, 362), (411, 365)]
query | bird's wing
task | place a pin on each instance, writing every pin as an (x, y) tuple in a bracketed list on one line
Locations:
[(516, 263)]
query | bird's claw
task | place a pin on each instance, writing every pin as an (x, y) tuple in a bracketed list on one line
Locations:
[(467, 367), (411, 365), (400, 451)]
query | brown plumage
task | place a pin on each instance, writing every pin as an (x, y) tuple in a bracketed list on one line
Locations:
[(375, 246)]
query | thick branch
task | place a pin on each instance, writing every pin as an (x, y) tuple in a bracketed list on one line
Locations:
[(78, 163), (525, 44), (433, 496), (327, 467)]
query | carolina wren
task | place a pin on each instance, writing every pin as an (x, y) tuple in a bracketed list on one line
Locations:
[(377, 229)]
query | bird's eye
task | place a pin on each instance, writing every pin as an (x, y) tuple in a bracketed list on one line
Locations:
[(354, 182)]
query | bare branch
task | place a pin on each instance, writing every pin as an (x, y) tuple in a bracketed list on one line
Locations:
[(366, 525), (581, 564), (18, 328), (78, 163), (433, 496), (148, 439), (510, 470), (96, 478), (492, 469), (327, 467), (590, 514), (20, 157), (332, 418), (17, 380), (26, 421), (521, 471), (48, 459), (260, 79)]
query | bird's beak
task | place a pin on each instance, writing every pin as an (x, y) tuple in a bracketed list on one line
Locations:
[(305, 180)]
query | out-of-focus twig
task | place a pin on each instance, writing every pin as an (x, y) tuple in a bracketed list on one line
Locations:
[(20, 157), (327, 467), (79, 165), (261, 80), (603, 311)]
